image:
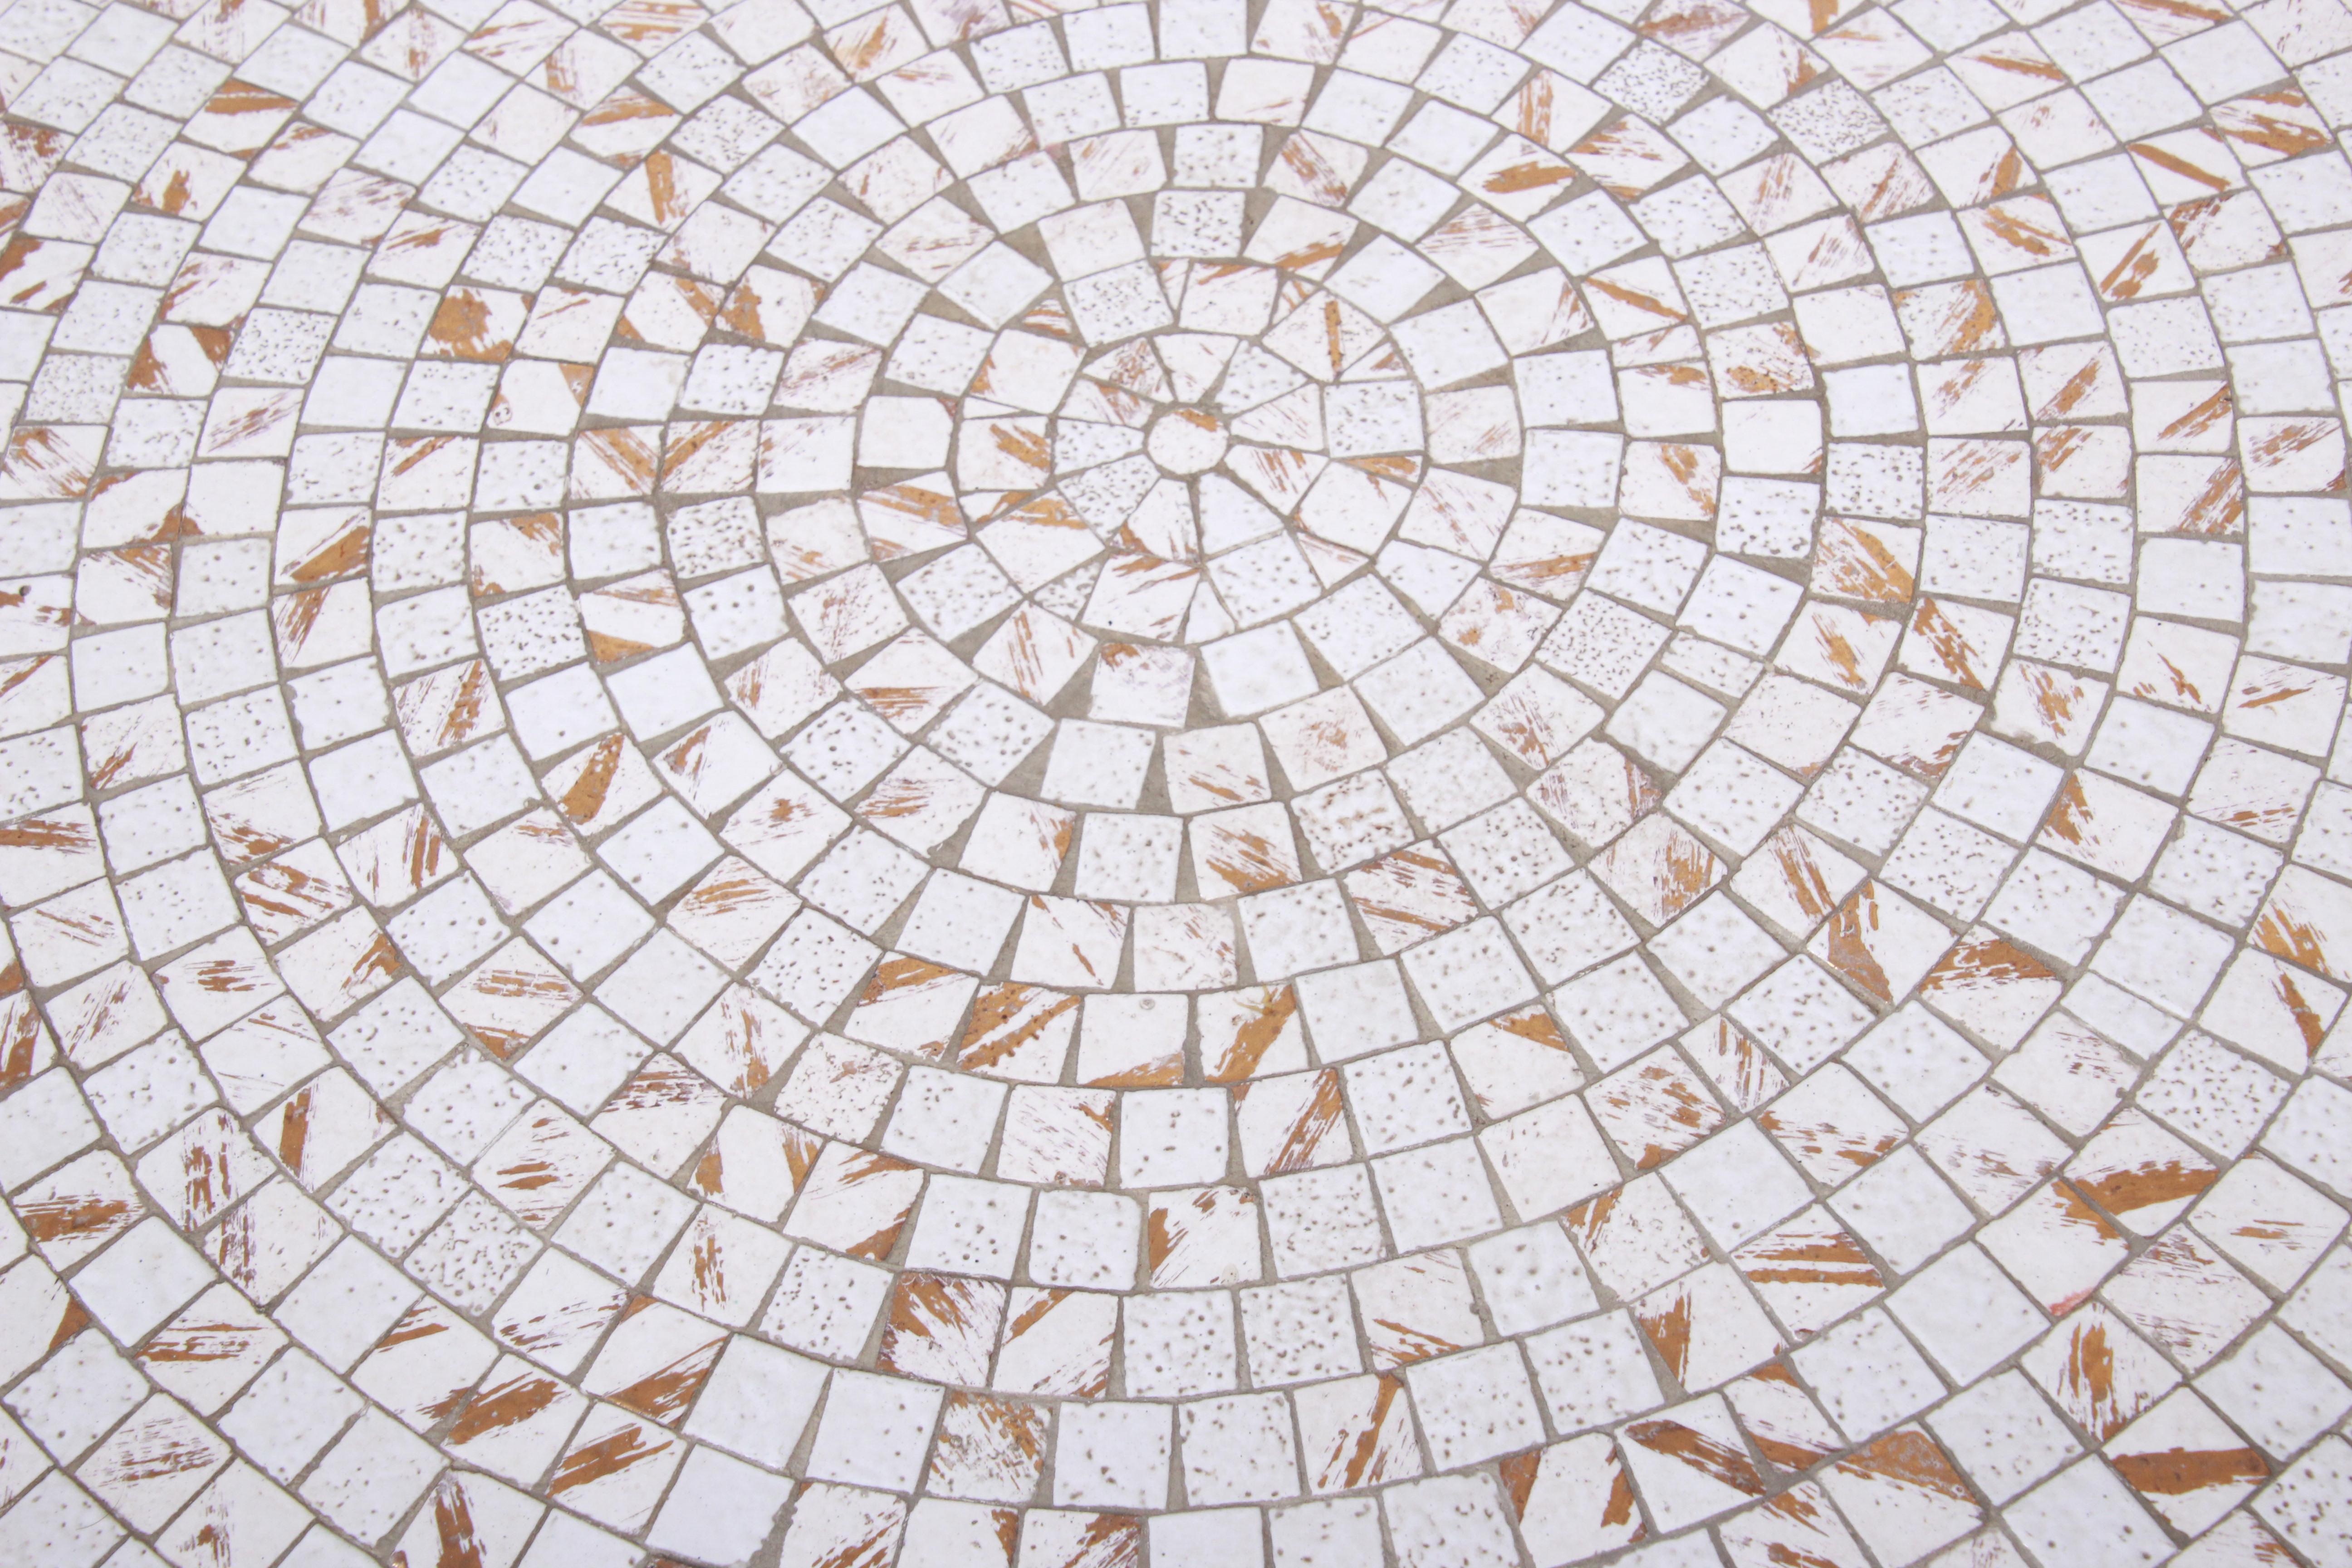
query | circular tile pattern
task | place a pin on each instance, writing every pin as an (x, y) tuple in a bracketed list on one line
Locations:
[(1207, 784)]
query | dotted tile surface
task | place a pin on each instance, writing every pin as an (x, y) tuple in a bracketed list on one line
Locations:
[(1200, 786)]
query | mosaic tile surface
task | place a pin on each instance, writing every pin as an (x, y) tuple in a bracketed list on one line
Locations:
[(1211, 786)]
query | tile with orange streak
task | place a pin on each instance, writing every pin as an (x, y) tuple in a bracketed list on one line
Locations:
[(1356, 1432), (2107, 825), (2199, 497), (340, 965), (1498, 626), (1245, 850), (1951, 318), (855, 1202), (424, 1366), (510, 997), (1142, 595), (1019, 1032), (2089, 461), (469, 1512), (922, 802), (1635, 1239), (1056, 1137), (911, 681), (1903, 1496), (660, 192), (476, 323), (741, 1041), (1840, 646), (1018, 842), (1690, 1463), (2262, 127), (198, 1172), (1915, 726), (990, 1449), (1546, 555), (655, 1362), (1782, 1421), (1810, 1271), (942, 1329), (1876, 563), (1708, 1327), (2255, 792), (1991, 987), (1071, 941), (622, 125), (1056, 1344), (1252, 1033), (153, 1463), (733, 912), (1759, 361), (662, 1114), (1658, 869), (75, 1210), (1991, 1147), (1184, 946), (722, 1268), (1572, 1498), (1140, 1048), (2307, 921), (1406, 896), (2267, 1222), (1035, 652), (398, 857), (783, 825), (635, 616), (541, 1164), (912, 1005), (2140, 1176), (1415, 1308), (2099, 1371), (709, 457), (615, 1466), (2186, 1296), (2057, 1246), (529, 857), (1800, 1525), (1653, 1109), (116, 1008), (2187, 1463), (1833, 1127), (1053, 1539), (1792, 723), (1795, 881), (144, 742), (1881, 943), (1957, 642), (239, 119), (597, 786), (1204, 1237), (1296, 1122), (1744, 1077), (322, 1127), (755, 1163), (268, 1240), (1516, 1059), (448, 708), (772, 306), (211, 1349)]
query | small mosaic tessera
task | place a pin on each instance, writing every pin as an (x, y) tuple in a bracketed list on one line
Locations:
[(1225, 783)]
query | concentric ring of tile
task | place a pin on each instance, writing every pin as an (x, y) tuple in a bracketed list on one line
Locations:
[(1223, 785)]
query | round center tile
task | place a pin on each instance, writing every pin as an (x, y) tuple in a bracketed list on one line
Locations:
[(1186, 441)]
